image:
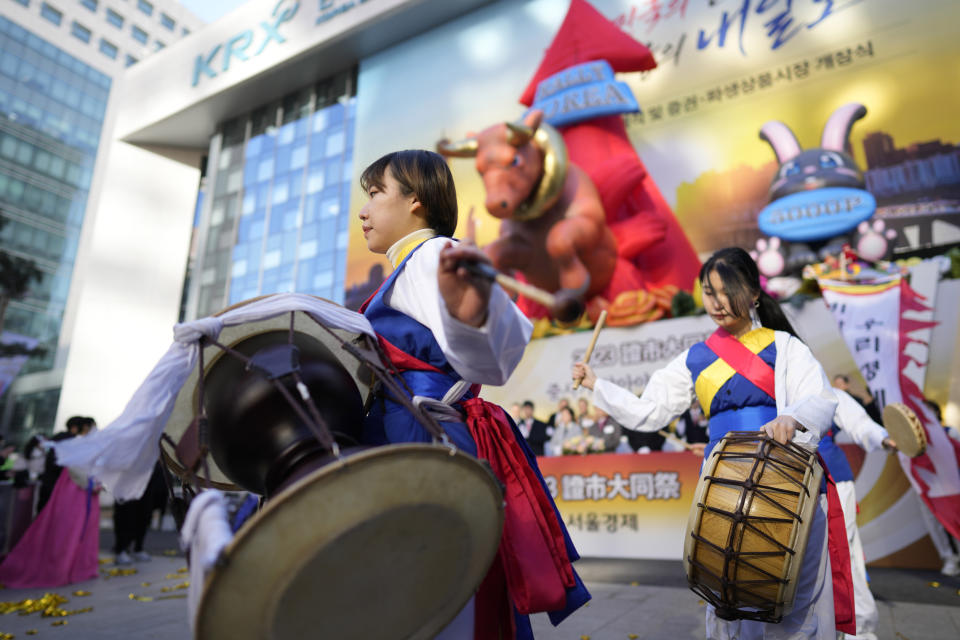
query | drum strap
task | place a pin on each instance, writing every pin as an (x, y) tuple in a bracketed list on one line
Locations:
[(839, 549), (743, 360)]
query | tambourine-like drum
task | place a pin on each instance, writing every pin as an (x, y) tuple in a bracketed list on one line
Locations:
[(749, 525), (351, 541), (905, 429)]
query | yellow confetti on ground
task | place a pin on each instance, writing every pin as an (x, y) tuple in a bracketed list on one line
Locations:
[(31, 632), (934, 584), (183, 569), (172, 576), (176, 587), (81, 593), (171, 552), (632, 636), (6, 636), (634, 584), (113, 573), (584, 637), (49, 605), (58, 623), (104, 561), (172, 596), (145, 584), (134, 596)]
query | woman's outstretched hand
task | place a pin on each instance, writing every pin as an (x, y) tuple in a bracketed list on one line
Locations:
[(582, 372)]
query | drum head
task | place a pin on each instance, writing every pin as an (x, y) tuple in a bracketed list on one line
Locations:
[(905, 429), (387, 543), (184, 408)]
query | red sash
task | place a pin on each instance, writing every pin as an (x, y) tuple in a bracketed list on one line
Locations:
[(742, 360), (844, 611), (533, 554)]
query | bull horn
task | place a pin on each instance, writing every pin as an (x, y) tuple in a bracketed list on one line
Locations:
[(520, 134), (466, 148)]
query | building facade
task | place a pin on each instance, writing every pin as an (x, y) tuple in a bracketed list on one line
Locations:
[(59, 64)]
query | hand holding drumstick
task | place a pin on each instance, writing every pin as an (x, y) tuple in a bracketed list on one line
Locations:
[(582, 373)]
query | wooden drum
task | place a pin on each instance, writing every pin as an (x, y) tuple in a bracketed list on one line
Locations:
[(749, 524)]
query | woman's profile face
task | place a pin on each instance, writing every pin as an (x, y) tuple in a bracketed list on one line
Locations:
[(717, 305), (389, 215)]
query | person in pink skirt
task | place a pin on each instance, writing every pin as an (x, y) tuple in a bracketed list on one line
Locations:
[(61, 545)]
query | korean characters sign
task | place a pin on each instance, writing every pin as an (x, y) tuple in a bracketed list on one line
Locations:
[(624, 505)]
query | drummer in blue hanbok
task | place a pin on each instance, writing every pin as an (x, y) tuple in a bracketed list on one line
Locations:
[(447, 332), (752, 374), (852, 420)]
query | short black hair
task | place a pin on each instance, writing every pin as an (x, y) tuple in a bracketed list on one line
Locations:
[(424, 174), (528, 403), (75, 422)]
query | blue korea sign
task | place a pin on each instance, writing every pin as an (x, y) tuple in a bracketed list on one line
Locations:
[(583, 92)]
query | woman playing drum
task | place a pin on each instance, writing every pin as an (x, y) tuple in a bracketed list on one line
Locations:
[(445, 330), (752, 373)]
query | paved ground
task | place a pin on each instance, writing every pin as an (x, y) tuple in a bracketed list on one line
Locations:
[(632, 599)]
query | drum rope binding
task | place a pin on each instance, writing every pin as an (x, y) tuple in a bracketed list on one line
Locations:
[(742, 520)]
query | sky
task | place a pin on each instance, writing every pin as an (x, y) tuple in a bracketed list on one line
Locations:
[(212, 10)]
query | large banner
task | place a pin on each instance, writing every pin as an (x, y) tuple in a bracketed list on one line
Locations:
[(724, 69), (624, 505), (884, 325)]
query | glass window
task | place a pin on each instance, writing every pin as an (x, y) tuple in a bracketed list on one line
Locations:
[(157, 45), (25, 3), (80, 32), (167, 21), (89, 4), (108, 49), (114, 18), (131, 60), (51, 14), (186, 31), (139, 35), (145, 6)]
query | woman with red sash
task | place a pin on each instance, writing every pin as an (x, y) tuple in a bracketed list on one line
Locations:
[(753, 373), (446, 332)]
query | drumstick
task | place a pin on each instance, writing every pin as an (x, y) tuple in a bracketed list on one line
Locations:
[(593, 341), (669, 436), (564, 308)]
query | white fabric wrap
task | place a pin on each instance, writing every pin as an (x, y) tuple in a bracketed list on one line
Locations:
[(802, 389), (122, 455), (206, 531), (853, 420)]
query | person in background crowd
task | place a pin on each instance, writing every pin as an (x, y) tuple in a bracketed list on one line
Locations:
[(586, 416), (692, 425), (606, 428), (536, 433), (52, 470), (562, 404), (131, 519), (566, 427), (515, 411)]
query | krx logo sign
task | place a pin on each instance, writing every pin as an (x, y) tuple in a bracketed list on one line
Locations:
[(246, 44)]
